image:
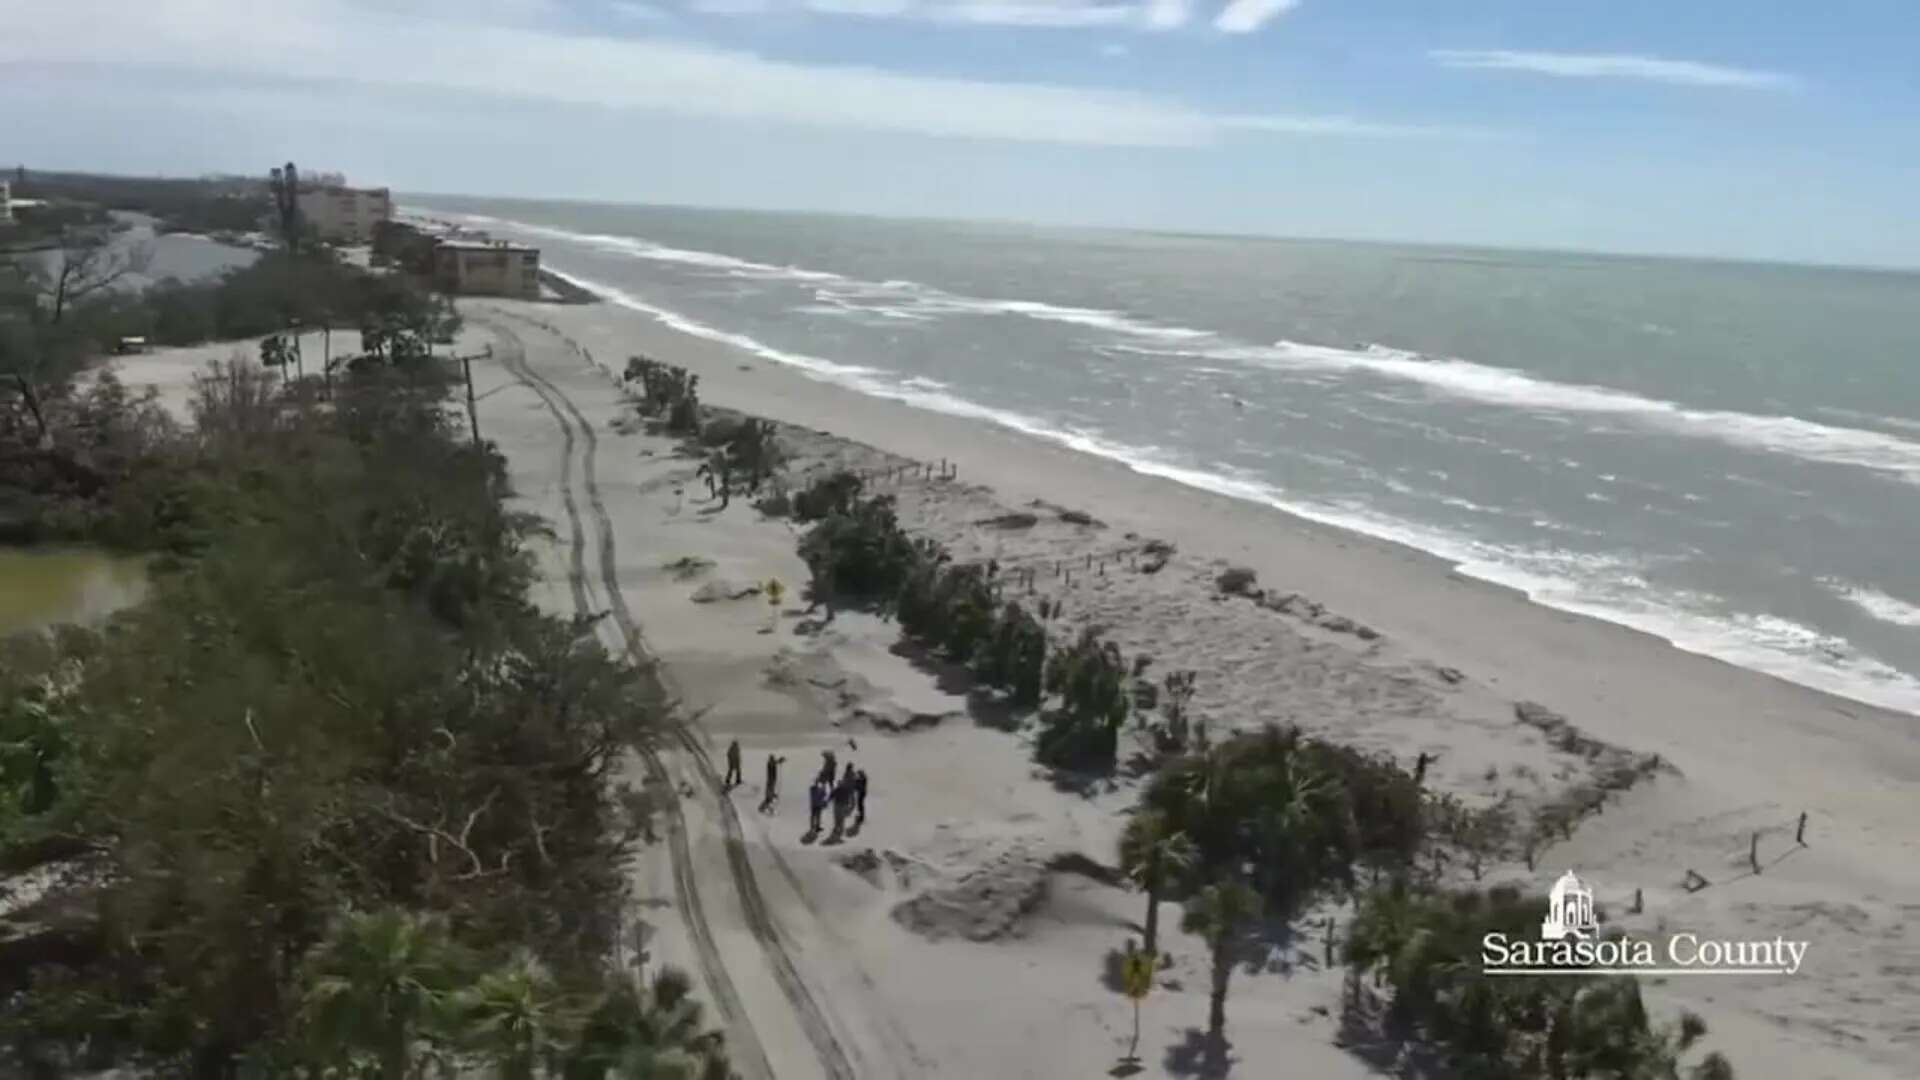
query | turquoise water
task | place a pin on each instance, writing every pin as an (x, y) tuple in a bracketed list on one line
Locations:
[(1724, 454)]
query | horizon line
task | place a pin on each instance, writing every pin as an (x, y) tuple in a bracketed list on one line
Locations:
[(1212, 233)]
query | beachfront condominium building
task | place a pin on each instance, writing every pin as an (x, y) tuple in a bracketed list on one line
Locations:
[(487, 268), (6, 202), (344, 215)]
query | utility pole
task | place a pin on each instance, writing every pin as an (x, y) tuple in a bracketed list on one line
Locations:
[(473, 412)]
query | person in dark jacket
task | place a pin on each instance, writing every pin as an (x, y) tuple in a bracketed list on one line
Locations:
[(733, 764), (773, 782), (816, 805), (842, 801), (860, 797)]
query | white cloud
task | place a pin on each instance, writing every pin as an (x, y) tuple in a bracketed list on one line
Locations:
[(1612, 66), (1168, 14), (1348, 127), (342, 43), (1028, 13), (1115, 50), (633, 11), (877, 9), (1050, 13), (1246, 16), (637, 12)]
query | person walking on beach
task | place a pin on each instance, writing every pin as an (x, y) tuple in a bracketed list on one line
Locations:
[(860, 798), (842, 799), (733, 764), (773, 782), (816, 805)]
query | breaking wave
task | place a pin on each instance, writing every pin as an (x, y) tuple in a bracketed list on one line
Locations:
[(1611, 588), (1879, 450), (1888, 609)]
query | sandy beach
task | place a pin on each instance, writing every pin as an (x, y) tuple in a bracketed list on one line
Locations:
[(961, 932)]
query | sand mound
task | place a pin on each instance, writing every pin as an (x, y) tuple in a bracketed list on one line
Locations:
[(986, 903), (877, 868), (724, 589)]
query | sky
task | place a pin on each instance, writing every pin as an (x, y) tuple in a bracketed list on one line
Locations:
[(1770, 129)]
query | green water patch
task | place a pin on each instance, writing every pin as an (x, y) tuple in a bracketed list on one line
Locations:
[(41, 587)]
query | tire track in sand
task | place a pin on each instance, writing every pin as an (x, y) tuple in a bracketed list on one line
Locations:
[(813, 1019), (742, 1042)]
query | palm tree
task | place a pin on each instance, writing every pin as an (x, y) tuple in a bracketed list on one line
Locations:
[(512, 1017), (1151, 851), (1608, 1033), (1220, 914), (376, 986), (648, 1032)]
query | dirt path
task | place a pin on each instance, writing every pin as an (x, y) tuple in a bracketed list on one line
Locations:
[(580, 437)]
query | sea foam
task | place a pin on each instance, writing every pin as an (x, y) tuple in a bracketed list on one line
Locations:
[(1606, 587)]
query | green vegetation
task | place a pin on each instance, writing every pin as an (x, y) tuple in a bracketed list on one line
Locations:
[(668, 392), (70, 454), (1424, 945), (337, 800), (1154, 854), (857, 552), (181, 205), (1090, 678)]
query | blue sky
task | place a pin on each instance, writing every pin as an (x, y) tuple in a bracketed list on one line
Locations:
[(1763, 128)]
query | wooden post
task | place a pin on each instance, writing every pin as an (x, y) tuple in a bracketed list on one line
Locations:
[(1753, 853), (1800, 834), (1639, 902), (1327, 951)]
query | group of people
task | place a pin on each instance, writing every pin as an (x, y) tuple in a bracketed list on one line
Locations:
[(846, 794), (842, 790)]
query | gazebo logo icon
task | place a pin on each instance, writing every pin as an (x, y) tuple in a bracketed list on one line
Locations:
[(1569, 911)]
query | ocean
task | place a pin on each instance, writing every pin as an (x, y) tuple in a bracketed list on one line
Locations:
[(1723, 454)]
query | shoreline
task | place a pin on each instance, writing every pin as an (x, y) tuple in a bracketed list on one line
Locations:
[(1672, 635), (1827, 633), (1741, 753)]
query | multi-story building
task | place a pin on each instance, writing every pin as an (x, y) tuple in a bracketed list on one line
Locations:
[(487, 268), (344, 215), (6, 202)]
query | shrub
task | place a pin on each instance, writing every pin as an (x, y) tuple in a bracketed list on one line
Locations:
[(859, 553), (1084, 731), (1236, 581), (833, 493), (1425, 947), (1296, 812)]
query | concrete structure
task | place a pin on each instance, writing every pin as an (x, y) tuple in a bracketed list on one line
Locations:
[(6, 202), (344, 215), (487, 268)]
